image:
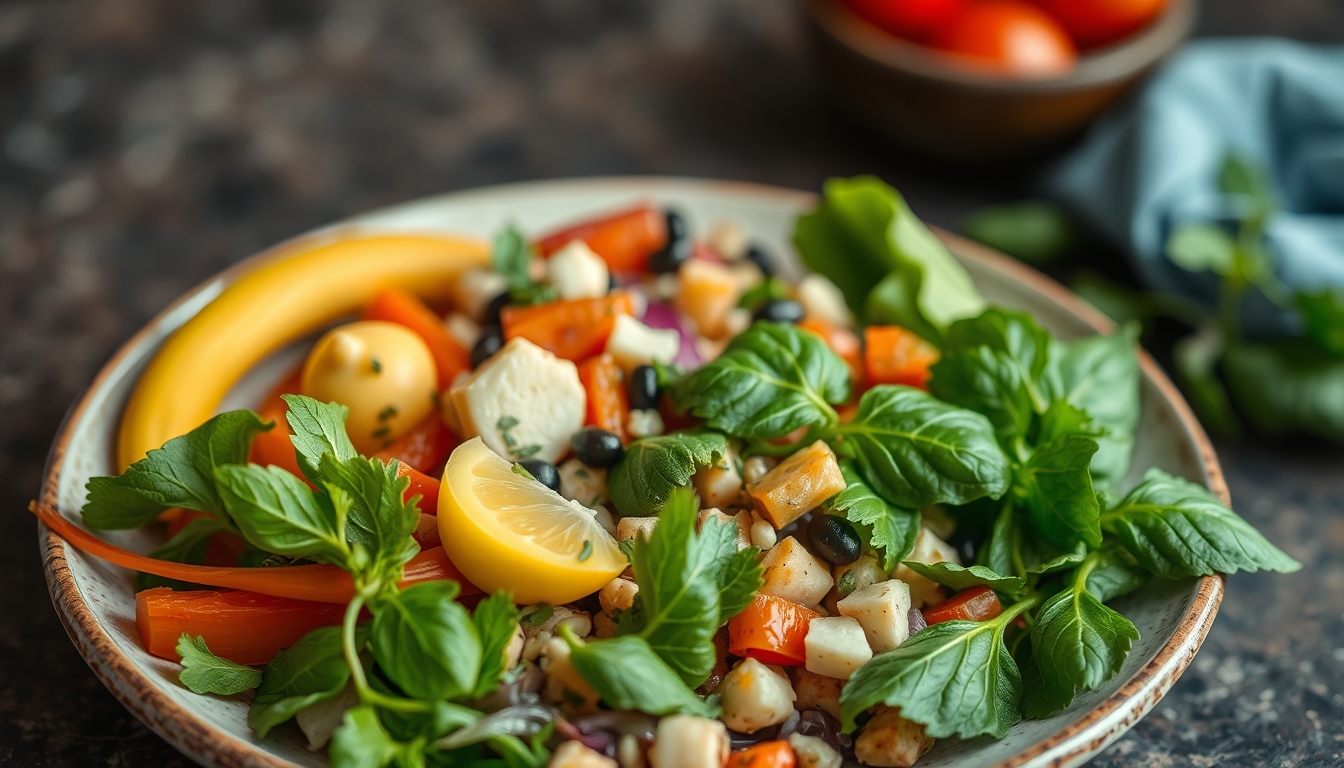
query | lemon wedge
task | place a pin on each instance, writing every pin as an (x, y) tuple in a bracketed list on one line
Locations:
[(507, 531)]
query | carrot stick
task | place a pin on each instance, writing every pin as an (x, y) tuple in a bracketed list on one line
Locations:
[(608, 402), (243, 627), (319, 583), (403, 308)]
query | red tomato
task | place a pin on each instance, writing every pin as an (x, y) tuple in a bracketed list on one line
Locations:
[(1010, 37), (916, 19), (1097, 22), (974, 604), (771, 630)]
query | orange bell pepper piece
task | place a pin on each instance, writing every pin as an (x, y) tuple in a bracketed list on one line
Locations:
[(894, 355), (608, 400), (397, 306), (770, 754), (625, 240), (575, 330), (974, 604), (771, 630)]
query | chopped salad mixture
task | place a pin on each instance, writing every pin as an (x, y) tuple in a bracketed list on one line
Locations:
[(635, 500)]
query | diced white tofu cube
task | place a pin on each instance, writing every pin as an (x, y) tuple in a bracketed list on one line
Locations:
[(836, 646), (475, 289), (572, 754), (890, 741), (740, 520), (822, 300), (757, 467), (755, 697), (633, 343), (644, 422), (630, 527), (793, 573), (618, 595), (928, 549), (817, 691), (582, 483), (727, 239), (812, 752), (577, 273), (464, 331), (882, 610), (686, 741), (719, 484), (524, 402), (565, 687)]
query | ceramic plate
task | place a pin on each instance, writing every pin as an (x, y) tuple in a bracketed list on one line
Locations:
[(96, 600)]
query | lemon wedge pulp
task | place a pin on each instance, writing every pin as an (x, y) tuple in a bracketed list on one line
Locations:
[(506, 531)]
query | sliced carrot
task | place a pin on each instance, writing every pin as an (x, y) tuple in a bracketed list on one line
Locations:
[(974, 604), (771, 630), (770, 754), (575, 330), (894, 355), (842, 341), (425, 447), (243, 627), (608, 400), (397, 306), (319, 583), (625, 240), (274, 448)]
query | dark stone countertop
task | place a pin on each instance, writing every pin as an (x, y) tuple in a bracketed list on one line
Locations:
[(147, 144)]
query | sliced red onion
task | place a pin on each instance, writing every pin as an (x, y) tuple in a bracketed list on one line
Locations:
[(916, 619), (664, 316)]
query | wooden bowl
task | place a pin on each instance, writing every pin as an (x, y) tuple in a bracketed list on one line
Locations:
[(926, 103)]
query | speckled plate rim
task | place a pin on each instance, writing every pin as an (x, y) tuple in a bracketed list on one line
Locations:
[(1072, 745)]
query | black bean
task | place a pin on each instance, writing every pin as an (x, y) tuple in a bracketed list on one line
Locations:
[(757, 255), (643, 387), (678, 249), (544, 471), (834, 539), (495, 306), (780, 311), (596, 447), (492, 338)]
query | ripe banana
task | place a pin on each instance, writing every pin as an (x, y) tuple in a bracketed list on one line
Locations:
[(296, 292)]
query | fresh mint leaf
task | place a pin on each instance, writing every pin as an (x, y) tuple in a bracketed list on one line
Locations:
[(958, 578), (643, 480), (1323, 315), (1175, 529), (1100, 375), (277, 512), (1079, 643), (1115, 573), (362, 742), (863, 233), (512, 257), (956, 677), (319, 429), (496, 620), (312, 670), (915, 450), (1039, 699), (1014, 548), (204, 672), (425, 642), (1057, 484), (890, 528), (1034, 231), (377, 517), (688, 585), (1289, 386), (628, 674), (180, 474), (769, 381)]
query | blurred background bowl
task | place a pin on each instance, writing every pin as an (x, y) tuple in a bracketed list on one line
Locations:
[(918, 98)]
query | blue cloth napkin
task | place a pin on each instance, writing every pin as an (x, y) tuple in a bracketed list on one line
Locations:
[(1152, 163)]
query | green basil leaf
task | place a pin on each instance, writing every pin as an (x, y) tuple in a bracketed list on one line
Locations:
[(425, 642), (687, 583), (1288, 387), (312, 670), (1175, 528), (643, 480), (895, 301), (1014, 548), (1034, 231), (319, 429), (1100, 375), (769, 381), (890, 528), (204, 672), (1116, 573), (958, 578), (1057, 484), (180, 474), (863, 231), (277, 512), (1079, 643), (362, 742), (1039, 699), (496, 620), (377, 518), (628, 674), (1323, 315), (956, 677), (916, 450)]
